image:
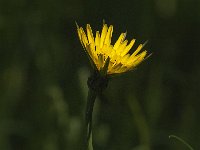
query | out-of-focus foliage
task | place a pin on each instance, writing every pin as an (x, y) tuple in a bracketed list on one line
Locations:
[(43, 74)]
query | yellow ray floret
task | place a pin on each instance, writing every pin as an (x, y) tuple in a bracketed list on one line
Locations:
[(99, 49)]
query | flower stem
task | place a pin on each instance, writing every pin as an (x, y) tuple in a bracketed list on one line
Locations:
[(96, 84), (88, 113)]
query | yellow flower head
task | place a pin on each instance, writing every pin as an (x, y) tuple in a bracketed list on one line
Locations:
[(115, 58)]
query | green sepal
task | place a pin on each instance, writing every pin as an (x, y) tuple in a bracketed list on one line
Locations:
[(103, 71)]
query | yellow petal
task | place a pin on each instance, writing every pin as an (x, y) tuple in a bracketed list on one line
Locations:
[(136, 51), (108, 35), (83, 37), (97, 42), (125, 58), (113, 58), (137, 59), (122, 69), (120, 40), (116, 67), (79, 34), (90, 37), (121, 47), (90, 34), (104, 49), (128, 47), (79, 31), (103, 35), (97, 39)]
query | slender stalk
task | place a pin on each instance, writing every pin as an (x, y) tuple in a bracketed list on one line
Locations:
[(88, 113), (96, 84), (181, 140)]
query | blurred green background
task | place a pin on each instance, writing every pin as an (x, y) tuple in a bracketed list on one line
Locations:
[(44, 70)]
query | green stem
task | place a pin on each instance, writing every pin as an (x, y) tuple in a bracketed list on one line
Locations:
[(89, 110), (88, 114), (96, 84)]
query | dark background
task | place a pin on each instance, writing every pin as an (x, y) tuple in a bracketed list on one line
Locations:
[(43, 74)]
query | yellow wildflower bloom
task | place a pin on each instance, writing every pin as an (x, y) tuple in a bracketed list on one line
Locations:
[(116, 58)]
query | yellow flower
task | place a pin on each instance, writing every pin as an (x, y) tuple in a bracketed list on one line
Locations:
[(115, 58)]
